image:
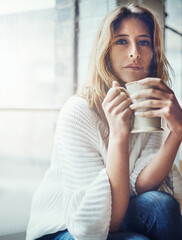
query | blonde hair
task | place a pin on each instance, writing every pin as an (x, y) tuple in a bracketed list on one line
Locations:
[(100, 74)]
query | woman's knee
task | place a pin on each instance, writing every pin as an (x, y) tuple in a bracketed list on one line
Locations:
[(160, 201), (159, 214), (155, 206), (163, 209), (64, 235), (126, 236)]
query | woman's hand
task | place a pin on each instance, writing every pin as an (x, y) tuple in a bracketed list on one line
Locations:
[(116, 108), (164, 102)]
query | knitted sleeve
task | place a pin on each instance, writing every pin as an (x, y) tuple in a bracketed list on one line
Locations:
[(177, 184), (173, 184), (149, 145), (87, 194)]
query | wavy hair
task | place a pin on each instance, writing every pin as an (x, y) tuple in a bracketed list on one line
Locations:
[(100, 73)]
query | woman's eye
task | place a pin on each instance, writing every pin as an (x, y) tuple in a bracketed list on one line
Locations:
[(121, 42), (144, 43)]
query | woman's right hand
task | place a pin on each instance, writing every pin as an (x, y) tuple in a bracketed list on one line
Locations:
[(116, 108)]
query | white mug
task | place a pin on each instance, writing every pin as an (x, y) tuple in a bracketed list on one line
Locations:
[(141, 124)]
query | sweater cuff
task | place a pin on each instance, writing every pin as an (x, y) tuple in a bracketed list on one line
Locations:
[(88, 210), (141, 163)]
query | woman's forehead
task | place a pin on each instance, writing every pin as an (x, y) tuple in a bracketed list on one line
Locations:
[(132, 26)]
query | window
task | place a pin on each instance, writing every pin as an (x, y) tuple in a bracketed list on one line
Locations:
[(36, 78), (36, 45)]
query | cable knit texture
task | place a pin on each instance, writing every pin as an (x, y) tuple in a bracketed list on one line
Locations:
[(75, 193)]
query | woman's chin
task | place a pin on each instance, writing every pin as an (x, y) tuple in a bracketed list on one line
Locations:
[(132, 77)]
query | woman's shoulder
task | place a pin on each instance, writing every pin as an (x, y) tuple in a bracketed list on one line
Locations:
[(76, 110), (75, 102), (78, 122), (78, 107)]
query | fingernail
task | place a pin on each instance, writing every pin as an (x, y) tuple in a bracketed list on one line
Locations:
[(141, 81), (132, 106), (138, 113), (114, 83), (133, 96)]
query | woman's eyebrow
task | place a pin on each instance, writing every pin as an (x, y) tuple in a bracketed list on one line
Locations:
[(144, 35), (121, 35), (125, 35)]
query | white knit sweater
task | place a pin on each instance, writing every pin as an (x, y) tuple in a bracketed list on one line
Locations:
[(75, 193)]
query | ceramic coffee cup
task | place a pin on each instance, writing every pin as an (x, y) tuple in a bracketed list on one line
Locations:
[(141, 124)]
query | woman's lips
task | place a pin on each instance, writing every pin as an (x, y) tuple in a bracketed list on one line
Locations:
[(133, 67)]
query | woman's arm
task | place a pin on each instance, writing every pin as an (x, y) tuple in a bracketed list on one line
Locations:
[(165, 105), (157, 170), (117, 168), (79, 172), (117, 111)]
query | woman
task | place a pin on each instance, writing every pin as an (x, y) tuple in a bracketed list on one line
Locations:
[(103, 182)]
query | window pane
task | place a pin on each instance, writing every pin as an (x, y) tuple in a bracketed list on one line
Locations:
[(36, 78), (91, 14), (36, 66), (26, 136)]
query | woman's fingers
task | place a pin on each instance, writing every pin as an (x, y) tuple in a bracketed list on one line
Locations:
[(112, 93), (151, 93), (126, 114), (150, 103), (113, 98), (118, 104), (155, 82), (116, 108), (158, 101), (122, 106), (115, 84), (151, 113), (119, 98)]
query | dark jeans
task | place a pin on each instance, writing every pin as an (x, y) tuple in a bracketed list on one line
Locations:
[(152, 215)]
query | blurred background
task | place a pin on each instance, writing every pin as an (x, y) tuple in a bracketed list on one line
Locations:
[(44, 51)]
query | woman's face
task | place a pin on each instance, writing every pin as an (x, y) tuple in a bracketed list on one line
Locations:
[(131, 51)]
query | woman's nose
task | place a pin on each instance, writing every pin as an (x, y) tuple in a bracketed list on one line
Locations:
[(134, 53)]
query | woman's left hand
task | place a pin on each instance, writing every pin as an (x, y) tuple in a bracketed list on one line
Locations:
[(164, 102)]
